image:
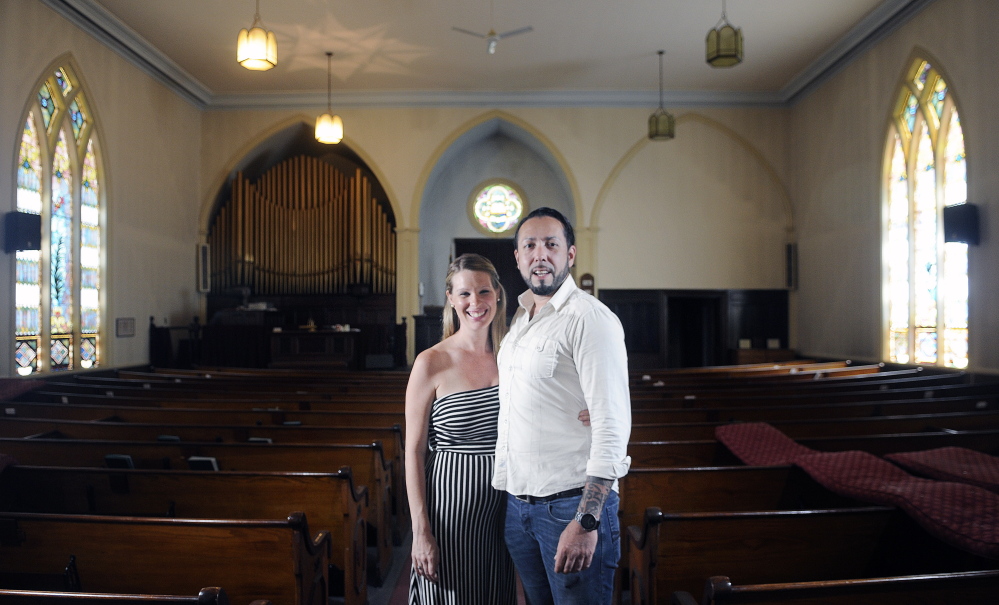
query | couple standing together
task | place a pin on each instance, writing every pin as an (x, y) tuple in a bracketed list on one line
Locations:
[(512, 460)]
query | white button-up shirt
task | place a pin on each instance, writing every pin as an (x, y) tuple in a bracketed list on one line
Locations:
[(570, 356)]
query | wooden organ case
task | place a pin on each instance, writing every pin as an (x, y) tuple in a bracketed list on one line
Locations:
[(303, 270)]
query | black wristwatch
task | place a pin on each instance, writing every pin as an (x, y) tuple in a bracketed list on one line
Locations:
[(587, 520)]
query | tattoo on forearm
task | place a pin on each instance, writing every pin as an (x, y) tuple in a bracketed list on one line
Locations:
[(594, 495)]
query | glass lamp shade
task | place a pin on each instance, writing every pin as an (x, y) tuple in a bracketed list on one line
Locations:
[(329, 129), (662, 125), (724, 46), (256, 49)]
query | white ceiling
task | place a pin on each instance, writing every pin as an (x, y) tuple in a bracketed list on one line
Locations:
[(404, 52)]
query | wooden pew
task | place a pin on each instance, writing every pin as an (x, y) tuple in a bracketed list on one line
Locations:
[(708, 452), (277, 560), (926, 589), (721, 489), (329, 500), (291, 402), (781, 397), (389, 438), (824, 427), (156, 415), (680, 551), (815, 409), (206, 596), (367, 463)]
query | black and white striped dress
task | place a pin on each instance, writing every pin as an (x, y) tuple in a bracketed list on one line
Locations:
[(466, 513)]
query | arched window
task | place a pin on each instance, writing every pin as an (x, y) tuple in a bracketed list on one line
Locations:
[(57, 291), (495, 207), (926, 285)]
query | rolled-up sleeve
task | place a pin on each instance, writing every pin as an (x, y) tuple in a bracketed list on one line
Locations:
[(602, 363)]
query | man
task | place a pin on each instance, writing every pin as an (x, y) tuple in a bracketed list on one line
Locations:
[(564, 354)]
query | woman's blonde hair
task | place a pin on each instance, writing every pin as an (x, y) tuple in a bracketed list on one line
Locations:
[(476, 262)]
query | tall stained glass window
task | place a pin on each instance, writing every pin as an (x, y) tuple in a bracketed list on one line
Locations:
[(926, 279), (57, 289)]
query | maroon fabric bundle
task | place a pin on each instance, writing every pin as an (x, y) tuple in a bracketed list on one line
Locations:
[(961, 514), (952, 464)]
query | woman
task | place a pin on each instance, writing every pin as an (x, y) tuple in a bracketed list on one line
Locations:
[(452, 406)]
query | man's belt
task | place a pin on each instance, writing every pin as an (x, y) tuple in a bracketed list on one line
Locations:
[(569, 493)]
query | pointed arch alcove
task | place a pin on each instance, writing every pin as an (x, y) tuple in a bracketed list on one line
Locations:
[(303, 249), (493, 149)]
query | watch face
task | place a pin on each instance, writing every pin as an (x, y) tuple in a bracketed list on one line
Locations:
[(588, 521)]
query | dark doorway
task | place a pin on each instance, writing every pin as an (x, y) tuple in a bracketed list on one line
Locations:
[(500, 251), (693, 326)]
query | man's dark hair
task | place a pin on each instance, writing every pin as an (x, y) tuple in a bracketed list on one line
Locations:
[(570, 236)]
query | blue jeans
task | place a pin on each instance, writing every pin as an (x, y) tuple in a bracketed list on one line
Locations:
[(532, 533)]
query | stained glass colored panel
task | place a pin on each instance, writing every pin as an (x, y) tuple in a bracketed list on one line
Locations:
[(48, 104), (90, 252), (61, 352), (926, 345), (29, 170), (27, 272), (897, 252), (77, 117), (88, 351), (65, 85), (921, 74), (26, 355), (955, 171), (498, 208), (937, 100), (911, 109), (61, 258), (924, 234)]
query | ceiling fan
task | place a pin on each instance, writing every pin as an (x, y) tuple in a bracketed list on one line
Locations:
[(492, 38)]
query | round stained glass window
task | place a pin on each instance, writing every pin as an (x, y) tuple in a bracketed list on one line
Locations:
[(496, 208)]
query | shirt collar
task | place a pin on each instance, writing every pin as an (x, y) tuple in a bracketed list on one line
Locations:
[(526, 300)]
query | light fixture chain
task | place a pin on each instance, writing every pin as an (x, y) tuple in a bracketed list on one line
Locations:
[(661, 79), (329, 81)]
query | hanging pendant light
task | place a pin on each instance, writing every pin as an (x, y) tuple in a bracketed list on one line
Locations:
[(662, 125), (724, 43), (256, 48), (329, 127)]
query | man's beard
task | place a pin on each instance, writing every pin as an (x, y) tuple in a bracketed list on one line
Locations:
[(547, 290)]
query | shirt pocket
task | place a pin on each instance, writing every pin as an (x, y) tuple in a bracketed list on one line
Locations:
[(541, 357)]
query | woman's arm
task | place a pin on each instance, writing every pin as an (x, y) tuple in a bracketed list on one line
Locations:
[(420, 394)]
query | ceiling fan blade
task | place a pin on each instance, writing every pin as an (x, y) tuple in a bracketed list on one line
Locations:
[(522, 30), (471, 33)]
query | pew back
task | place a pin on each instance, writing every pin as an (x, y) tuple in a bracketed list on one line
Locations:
[(276, 560)]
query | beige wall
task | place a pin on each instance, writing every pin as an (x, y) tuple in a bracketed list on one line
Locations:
[(151, 181), (838, 141)]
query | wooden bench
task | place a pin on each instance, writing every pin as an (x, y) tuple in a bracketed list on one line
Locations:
[(708, 452), (291, 402), (389, 438), (158, 415), (815, 410), (206, 596), (926, 589), (721, 489), (777, 397), (368, 467), (827, 427), (277, 560), (329, 500), (679, 551)]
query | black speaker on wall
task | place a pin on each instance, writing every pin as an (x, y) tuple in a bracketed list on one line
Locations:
[(22, 231), (960, 223)]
